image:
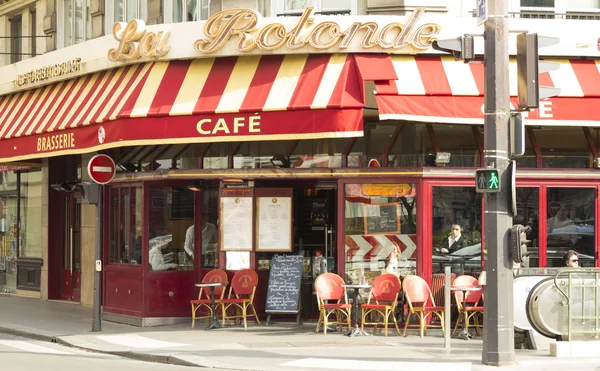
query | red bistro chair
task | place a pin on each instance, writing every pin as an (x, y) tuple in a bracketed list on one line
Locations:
[(420, 302), (332, 298), (216, 275), (384, 293), (241, 296), (473, 307)]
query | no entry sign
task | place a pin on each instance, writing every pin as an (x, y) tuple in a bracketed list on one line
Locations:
[(101, 169)]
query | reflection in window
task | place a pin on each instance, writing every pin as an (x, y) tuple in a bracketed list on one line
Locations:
[(171, 216), (380, 230), (127, 10), (527, 215), (125, 225), (190, 10), (456, 228), (570, 225)]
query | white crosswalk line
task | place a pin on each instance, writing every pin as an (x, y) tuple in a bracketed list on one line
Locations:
[(351, 364), (137, 341), (29, 347)]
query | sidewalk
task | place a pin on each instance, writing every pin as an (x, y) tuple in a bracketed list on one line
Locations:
[(274, 347)]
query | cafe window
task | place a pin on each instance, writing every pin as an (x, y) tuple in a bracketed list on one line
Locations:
[(380, 230), (16, 41), (528, 215), (208, 219), (456, 229), (171, 228), (125, 226), (570, 225)]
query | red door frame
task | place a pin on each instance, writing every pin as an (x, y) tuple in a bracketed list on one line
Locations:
[(71, 278)]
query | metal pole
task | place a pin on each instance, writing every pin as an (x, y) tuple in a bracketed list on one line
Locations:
[(97, 315), (498, 330), (447, 283)]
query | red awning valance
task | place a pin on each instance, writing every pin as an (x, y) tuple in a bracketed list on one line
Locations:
[(439, 89), (192, 101)]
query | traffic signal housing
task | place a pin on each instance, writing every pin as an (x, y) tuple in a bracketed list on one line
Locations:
[(487, 181), (518, 242), (529, 67), (462, 48)]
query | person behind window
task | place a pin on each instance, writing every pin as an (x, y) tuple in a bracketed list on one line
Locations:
[(561, 229), (209, 232), (392, 264), (454, 242), (571, 259), (157, 260)]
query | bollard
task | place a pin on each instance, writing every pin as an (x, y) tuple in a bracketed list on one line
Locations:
[(447, 272)]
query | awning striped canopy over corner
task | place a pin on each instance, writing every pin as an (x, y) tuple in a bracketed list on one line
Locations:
[(440, 89), (235, 98)]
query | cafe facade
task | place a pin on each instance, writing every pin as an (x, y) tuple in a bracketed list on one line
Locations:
[(345, 139)]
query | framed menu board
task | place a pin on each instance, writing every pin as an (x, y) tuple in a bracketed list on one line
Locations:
[(274, 224), (236, 223), (382, 219)]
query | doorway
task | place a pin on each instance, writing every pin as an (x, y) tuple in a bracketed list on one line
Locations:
[(71, 248)]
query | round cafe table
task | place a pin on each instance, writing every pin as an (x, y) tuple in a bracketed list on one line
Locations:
[(211, 285), (464, 334), (356, 331)]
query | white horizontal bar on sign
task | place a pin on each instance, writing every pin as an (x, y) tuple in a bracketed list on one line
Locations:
[(102, 169)]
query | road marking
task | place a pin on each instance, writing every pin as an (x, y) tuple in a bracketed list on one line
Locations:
[(33, 348), (350, 364), (102, 169), (136, 341)]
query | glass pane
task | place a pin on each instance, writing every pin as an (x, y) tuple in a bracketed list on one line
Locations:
[(68, 23), (297, 4), (178, 11), (88, 21), (527, 215), (192, 10), (135, 255), (210, 212), (118, 8), (8, 225), (31, 214), (380, 230), (132, 11), (172, 214), (114, 225), (538, 3), (204, 9), (570, 225), (583, 4), (237, 260), (456, 228), (335, 4), (79, 31)]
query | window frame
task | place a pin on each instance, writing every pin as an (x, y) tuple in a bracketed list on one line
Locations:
[(278, 8), (16, 41), (141, 13), (61, 20), (169, 8)]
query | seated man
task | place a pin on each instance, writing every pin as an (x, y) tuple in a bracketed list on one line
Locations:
[(157, 260)]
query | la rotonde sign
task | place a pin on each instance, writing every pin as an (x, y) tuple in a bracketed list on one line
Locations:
[(245, 31)]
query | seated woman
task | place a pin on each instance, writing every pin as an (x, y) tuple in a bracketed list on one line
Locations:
[(157, 260)]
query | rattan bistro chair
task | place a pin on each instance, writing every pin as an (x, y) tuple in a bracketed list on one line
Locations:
[(241, 296), (420, 303), (382, 302), (332, 298), (204, 301)]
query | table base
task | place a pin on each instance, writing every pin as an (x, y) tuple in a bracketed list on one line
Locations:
[(357, 331), (214, 325), (463, 334)]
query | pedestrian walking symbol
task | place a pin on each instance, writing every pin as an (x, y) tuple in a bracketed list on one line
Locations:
[(487, 180)]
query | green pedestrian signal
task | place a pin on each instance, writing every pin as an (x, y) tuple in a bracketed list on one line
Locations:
[(487, 181)]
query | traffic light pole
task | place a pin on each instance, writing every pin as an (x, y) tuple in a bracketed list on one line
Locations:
[(498, 331)]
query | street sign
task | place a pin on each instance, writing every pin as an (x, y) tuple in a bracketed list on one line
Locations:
[(481, 12), (487, 181), (101, 169)]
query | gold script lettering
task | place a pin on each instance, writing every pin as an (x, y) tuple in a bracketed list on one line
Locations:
[(237, 22), (135, 42)]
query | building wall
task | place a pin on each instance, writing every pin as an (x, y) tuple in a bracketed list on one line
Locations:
[(88, 243), (45, 218)]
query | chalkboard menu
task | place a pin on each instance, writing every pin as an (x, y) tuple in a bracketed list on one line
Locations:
[(283, 292), (382, 219), (182, 203)]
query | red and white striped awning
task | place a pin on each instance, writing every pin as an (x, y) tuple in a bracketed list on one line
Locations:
[(441, 90), (192, 101)]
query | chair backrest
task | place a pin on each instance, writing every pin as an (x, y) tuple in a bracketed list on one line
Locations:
[(244, 282), (386, 288), (417, 290), (438, 281), (473, 297), (327, 286), (215, 275)]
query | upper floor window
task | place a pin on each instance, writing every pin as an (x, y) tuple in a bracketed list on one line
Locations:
[(127, 10), (16, 27), (537, 3), (190, 10), (296, 7), (77, 21)]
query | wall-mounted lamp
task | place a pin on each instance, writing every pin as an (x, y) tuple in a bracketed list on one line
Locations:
[(195, 187), (280, 161)]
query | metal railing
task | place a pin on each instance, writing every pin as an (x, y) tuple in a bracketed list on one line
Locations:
[(581, 283), (593, 16)]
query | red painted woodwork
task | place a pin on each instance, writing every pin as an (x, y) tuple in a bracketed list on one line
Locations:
[(67, 284), (168, 293), (123, 288)]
